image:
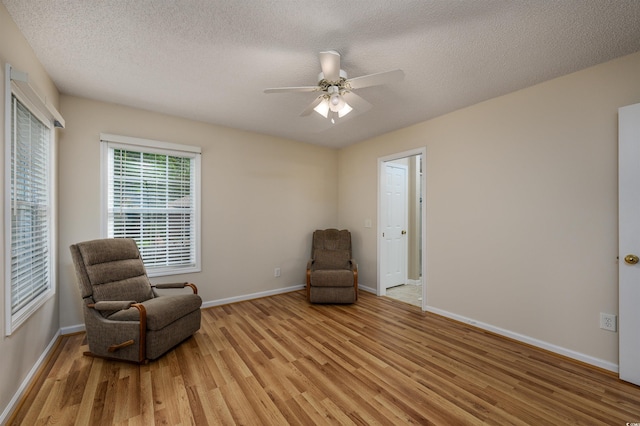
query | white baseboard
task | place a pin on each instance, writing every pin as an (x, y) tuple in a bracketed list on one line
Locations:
[(4, 416), (367, 289), (72, 329), (606, 365), (258, 295)]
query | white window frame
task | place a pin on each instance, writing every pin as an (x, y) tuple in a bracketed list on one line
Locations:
[(17, 84), (109, 142)]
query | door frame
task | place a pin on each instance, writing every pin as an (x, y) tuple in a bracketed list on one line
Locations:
[(423, 219)]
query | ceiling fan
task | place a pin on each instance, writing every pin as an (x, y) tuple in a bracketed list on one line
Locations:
[(337, 98)]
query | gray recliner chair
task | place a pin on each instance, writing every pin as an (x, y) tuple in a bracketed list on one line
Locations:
[(126, 318), (332, 274)]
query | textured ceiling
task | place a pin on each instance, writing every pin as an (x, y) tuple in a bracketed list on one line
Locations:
[(210, 60)]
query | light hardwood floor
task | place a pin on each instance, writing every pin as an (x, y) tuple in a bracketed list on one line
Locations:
[(280, 360)]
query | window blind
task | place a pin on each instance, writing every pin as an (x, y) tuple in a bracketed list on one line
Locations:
[(151, 198), (30, 207)]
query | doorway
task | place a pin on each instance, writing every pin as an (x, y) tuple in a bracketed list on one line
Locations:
[(401, 236)]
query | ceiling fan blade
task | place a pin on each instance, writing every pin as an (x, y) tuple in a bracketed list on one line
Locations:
[(308, 110), (356, 102), (376, 79), (292, 89), (330, 64)]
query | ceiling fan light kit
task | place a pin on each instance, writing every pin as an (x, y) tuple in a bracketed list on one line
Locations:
[(346, 109), (335, 87), (322, 108), (333, 102)]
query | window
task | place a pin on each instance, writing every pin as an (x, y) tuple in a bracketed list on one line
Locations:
[(29, 200), (152, 194)]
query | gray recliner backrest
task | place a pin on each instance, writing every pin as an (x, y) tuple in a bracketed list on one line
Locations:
[(111, 269), (331, 249)]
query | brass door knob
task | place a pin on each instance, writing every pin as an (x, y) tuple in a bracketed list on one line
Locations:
[(631, 259), (404, 232)]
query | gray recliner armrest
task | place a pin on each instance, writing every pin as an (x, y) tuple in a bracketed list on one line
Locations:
[(114, 305), (176, 285)]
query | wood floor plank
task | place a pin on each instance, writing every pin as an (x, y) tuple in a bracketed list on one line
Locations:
[(280, 360), (238, 404), (222, 414)]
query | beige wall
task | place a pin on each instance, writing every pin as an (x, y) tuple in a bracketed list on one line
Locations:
[(521, 203), (262, 197), (20, 351)]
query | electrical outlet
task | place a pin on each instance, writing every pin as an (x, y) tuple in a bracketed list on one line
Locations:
[(276, 272), (608, 322)]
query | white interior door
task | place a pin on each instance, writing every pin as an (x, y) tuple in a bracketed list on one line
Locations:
[(629, 243), (394, 225)]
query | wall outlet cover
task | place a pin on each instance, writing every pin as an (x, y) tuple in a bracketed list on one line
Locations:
[(608, 322)]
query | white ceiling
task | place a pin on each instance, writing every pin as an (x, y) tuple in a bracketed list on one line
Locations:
[(210, 60)]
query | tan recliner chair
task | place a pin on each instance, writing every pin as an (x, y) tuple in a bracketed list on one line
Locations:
[(332, 274), (127, 318)]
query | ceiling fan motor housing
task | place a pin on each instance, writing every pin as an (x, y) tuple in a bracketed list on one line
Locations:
[(322, 82)]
